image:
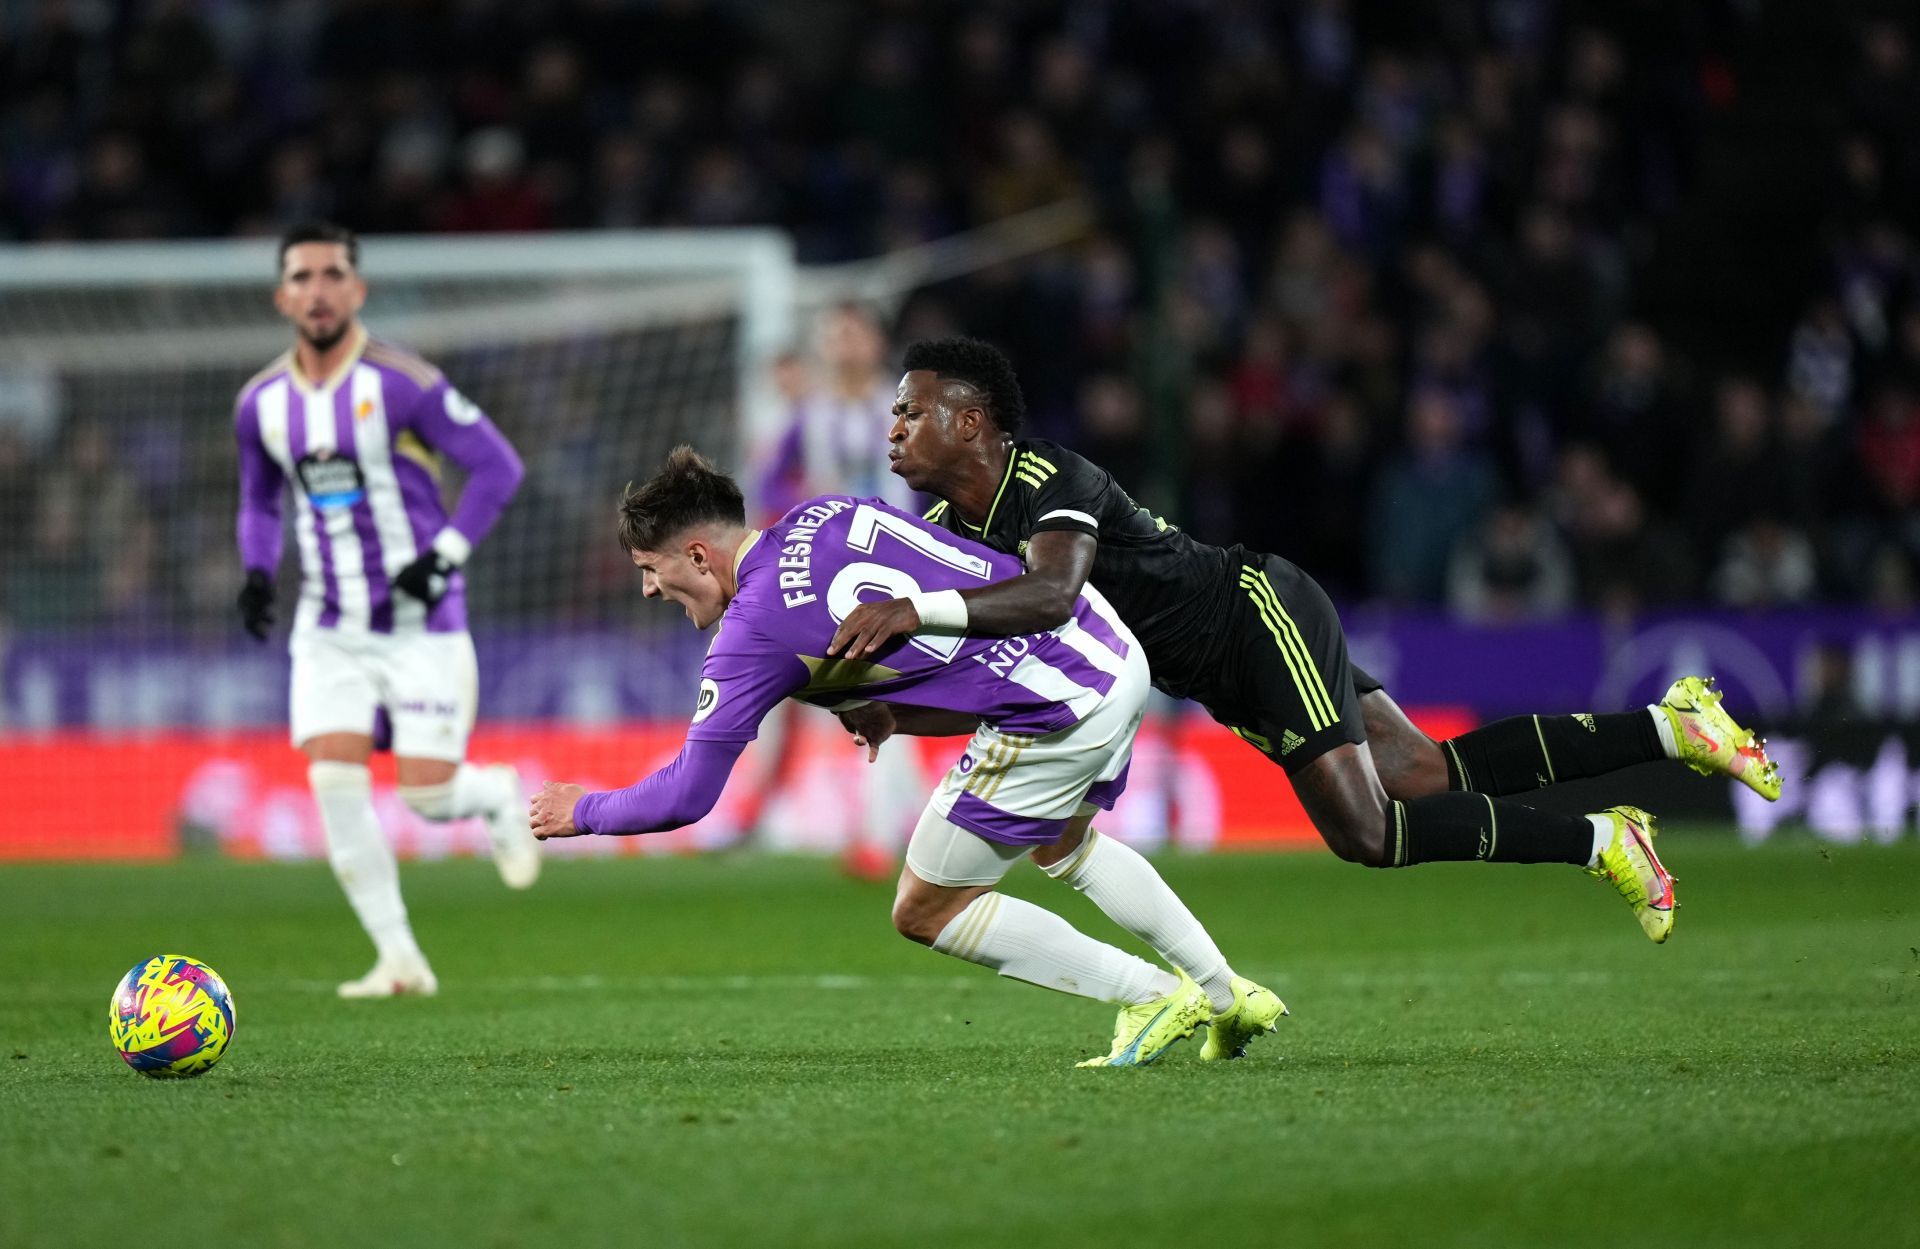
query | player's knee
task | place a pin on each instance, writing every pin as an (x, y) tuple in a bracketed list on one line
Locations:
[(1410, 764), (915, 921), (431, 802), (1428, 773), (1357, 839), (1369, 849)]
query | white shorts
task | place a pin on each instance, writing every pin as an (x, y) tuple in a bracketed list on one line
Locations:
[(429, 684), (1009, 794)]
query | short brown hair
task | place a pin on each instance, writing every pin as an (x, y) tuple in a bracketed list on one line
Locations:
[(687, 491)]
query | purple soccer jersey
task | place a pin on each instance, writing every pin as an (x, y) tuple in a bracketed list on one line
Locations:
[(796, 582), (362, 455), (801, 577)]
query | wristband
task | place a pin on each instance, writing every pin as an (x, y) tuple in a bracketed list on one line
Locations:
[(942, 609), (452, 545)]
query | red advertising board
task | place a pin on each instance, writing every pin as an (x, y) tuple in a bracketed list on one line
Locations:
[(83, 795)]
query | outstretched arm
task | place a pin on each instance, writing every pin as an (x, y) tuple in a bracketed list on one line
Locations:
[(678, 794), (1058, 564)]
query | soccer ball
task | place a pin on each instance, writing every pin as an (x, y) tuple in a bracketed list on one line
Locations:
[(171, 1016)]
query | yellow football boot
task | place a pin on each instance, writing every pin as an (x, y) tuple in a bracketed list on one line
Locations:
[(1710, 741), (1633, 869), (1143, 1034), (1255, 1010)]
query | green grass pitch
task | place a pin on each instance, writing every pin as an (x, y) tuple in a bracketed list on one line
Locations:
[(738, 1051)]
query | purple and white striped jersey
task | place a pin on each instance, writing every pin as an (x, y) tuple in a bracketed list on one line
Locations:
[(835, 444), (802, 576), (362, 454)]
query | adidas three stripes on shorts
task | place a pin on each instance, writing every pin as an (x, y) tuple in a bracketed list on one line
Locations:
[(1284, 683)]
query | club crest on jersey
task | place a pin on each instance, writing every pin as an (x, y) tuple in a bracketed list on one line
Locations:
[(708, 700), (330, 481)]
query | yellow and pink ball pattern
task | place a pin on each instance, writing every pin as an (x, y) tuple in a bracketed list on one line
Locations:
[(171, 1016)]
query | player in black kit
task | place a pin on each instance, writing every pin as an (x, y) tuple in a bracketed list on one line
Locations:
[(1255, 640)]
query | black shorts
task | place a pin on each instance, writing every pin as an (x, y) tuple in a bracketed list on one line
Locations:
[(1282, 681)]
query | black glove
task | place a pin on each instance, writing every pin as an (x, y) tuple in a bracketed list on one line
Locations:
[(256, 603), (426, 578)]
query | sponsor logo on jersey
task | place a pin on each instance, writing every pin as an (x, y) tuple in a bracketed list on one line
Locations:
[(1290, 739), (330, 481), (708, 700), (427, 707)]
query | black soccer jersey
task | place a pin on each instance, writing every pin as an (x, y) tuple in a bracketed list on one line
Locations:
[(1171, 590)]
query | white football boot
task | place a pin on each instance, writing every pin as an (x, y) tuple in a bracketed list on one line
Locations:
[(406, 974), (515, 851)]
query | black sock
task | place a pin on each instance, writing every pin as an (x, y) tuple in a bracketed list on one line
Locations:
[(1522, 753), (1456, 828)]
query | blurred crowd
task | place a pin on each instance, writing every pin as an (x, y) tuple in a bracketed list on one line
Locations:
[(1369, 284)]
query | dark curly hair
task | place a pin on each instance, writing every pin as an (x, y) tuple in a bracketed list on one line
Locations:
[(980, 365), (687, 491), (320, 232)]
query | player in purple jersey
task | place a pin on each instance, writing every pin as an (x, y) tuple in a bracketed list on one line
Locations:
[(355, 430), (1053, 716)]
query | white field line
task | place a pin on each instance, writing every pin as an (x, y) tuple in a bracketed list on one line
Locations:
[(1306, 982)]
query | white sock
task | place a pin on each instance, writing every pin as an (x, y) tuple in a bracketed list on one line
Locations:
[(362, 860), (1129, 891), (472, 791), (1024, 942), (484, 790), (1664, 727), (1602, 837)]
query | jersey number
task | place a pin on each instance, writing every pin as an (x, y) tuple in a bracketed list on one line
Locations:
[(863, 535)]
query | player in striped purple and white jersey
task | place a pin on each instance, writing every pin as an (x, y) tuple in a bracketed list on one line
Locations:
[(1053, 717), (355, 430)]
